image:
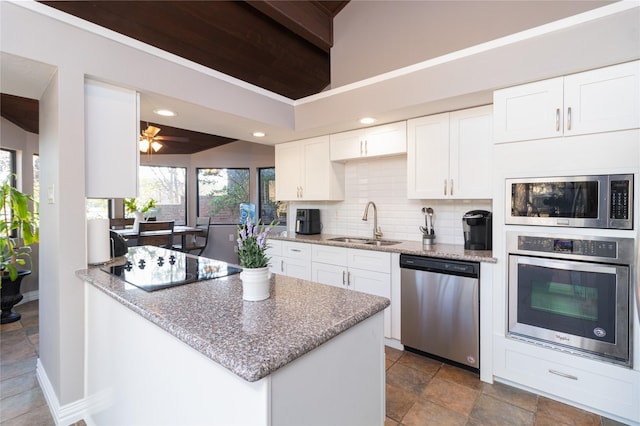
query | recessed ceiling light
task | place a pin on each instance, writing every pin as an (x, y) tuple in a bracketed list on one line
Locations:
[(165, 112), (367, 120), (259, 134)]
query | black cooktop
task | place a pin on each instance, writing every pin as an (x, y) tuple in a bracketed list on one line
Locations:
[(153, 268)]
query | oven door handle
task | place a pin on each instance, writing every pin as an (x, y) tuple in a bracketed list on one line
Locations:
[(565, 375)]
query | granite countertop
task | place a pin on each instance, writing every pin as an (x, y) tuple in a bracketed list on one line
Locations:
[(251, 339), (445, 251)]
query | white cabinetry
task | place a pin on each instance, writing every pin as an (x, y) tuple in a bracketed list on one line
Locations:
[(367, 271), (601, 100), (112, 127), (305, 171), (602, 386), (379, 141), (290, 258), (449, 155)]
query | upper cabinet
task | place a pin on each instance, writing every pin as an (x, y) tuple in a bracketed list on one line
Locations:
[(449, 155), (379, 141), (111, 141), (305, 171), (601, 100)]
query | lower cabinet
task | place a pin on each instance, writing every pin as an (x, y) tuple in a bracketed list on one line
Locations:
[(367, 271), (612, 389), (290, 258)]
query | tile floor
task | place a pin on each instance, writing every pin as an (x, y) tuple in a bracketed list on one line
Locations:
[(420, 391)]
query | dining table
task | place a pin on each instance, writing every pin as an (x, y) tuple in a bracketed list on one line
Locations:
[(131, 235)]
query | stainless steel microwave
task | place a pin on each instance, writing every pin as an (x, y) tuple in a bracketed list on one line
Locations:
[(596, 201)]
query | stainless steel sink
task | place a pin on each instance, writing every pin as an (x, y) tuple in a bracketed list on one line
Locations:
[(365, 241)]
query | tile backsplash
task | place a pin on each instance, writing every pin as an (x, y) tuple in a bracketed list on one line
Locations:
[(384, 181)]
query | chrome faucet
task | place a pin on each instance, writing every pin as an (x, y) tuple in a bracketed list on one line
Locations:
[(377, 233)]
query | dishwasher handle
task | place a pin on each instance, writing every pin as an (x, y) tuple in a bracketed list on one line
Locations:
[(442, 266)]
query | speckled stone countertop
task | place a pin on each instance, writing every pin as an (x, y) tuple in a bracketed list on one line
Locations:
[(445, 251), (251, 339)]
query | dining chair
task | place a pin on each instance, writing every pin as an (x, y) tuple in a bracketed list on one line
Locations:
[(156, 233), (196, 243), (120, 223)]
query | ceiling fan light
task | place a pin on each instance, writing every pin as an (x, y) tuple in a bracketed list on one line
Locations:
[(156, 146), (144, 145)]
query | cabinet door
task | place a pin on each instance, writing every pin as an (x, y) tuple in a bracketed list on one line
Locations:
[(384, 140), (529, 111), (428, 156), (471, 153), (297, 268), (369, 260), (602, 100), (346, 145), (276, 264), (329, 254), (323, 179), (288, 166), (325, 273), (111, 134), (376, 283)]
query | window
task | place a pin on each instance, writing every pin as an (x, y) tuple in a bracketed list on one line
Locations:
[(7, 168), (269, 209), (220, 192), (167, 186)]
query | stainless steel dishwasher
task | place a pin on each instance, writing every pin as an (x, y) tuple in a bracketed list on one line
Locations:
[(440, 305)]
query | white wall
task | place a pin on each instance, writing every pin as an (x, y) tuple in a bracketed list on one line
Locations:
[(374, 37), (384, 181)]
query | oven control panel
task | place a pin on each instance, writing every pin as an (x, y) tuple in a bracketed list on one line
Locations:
[(582, 247)]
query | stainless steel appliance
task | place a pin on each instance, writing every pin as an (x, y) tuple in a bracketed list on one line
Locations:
[(308, 221), (572, 293), (602, 201), (440, 303), (477, 230)]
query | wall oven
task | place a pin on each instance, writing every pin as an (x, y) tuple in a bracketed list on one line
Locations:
[(572, 293), (593, 201)]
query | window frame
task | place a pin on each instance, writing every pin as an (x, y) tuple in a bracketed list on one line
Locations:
[(186, 194), (197, 175)]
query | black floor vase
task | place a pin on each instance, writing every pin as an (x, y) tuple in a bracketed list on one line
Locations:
[(10, 296)]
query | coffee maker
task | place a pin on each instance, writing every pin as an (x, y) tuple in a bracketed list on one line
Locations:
[(308, 221), (477, 229)]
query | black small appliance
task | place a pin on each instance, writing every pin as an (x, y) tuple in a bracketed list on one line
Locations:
[(477, 229), (308, 221), (118, 245)]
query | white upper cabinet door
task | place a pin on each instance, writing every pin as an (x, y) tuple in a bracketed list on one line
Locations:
[(288, 170), (428, 156), (602, 100), (471, 153), (112, 128), (530, 111), (304, 171), (379, 141)]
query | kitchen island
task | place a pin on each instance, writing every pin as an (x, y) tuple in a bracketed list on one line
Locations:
[(198, 354)]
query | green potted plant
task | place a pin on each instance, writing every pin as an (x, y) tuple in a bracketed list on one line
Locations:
[(18, 230), (139, 212)]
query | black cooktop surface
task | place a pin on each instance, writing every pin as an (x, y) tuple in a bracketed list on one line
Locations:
[(152, 268)]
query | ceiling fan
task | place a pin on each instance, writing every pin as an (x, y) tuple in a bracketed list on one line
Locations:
[(149, 139)]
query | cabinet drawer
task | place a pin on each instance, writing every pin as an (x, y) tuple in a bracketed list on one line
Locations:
[(275, 248), (603, 386), (369, 260), (296, 250), (329, 254)]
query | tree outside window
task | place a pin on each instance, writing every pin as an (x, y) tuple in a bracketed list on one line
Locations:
[(220, 193), (167, 186), (270, 210)]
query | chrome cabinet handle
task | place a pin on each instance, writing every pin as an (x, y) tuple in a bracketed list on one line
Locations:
[(569, 118), (344, 281), (348, 279), (561, 374), (557, 119), (444, 188), (360, 148), (451, 190), (282, 266), (366, 146), (296, 250)]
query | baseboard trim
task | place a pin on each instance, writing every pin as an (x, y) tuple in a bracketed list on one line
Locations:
[(395, 344), (62, 415), (29, 296)]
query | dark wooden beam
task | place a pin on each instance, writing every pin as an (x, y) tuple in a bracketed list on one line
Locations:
[(23, 112)]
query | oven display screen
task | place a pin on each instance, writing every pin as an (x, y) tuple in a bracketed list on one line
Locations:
[(563, 246)]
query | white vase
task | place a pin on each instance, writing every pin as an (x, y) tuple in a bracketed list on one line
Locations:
[(256, 283), (139, 217)]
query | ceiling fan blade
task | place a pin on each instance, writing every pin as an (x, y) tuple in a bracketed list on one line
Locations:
[(151, 131), (172, 138)]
